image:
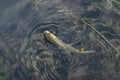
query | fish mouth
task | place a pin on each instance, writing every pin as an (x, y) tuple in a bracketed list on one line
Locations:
[(46, 32)]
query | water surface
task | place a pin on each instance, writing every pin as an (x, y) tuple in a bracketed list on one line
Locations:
[(25, 55)]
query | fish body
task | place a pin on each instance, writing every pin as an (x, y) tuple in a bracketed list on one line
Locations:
[(56, 41)]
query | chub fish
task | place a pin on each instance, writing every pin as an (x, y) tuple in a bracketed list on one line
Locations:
[(51, 38)]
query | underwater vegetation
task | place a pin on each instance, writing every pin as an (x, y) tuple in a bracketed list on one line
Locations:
[(85, 24)]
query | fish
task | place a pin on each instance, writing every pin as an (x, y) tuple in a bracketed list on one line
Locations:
[(51, 38)]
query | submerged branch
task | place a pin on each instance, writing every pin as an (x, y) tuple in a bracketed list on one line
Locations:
[(101, 35)]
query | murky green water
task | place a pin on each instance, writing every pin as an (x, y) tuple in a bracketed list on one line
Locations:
[(25, 55)]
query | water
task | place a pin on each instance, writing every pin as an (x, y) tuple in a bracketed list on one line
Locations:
[(25, 55)]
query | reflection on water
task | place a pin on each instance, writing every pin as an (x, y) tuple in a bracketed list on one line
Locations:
[(25, 55)]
